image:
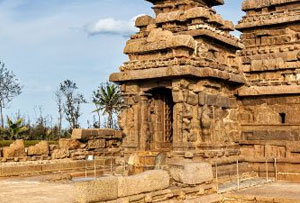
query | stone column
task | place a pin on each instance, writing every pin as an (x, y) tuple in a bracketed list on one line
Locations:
[(177, 125), (129, 124), (144, 127)]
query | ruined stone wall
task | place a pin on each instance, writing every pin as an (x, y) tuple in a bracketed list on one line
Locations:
[(69, 155)]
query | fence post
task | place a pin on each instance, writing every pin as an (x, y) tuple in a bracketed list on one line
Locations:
[(238, 175), (267, 170), (276, 172), (216, 165), (86, 169), (95, 169), (111, 164)]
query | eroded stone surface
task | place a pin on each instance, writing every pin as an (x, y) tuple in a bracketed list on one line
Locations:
[(148, 181), (16, 149), (191, 173), (100, 190), (42, 148)]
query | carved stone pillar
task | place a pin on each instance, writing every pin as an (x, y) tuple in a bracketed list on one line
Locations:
[(177, 125), (144, 115)]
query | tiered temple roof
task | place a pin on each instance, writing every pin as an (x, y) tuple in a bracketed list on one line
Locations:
[(271, 35), (186, 38)]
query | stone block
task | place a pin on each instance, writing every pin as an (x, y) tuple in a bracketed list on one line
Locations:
[(42, 148), (16, 149), (212, 100), (96, 144), (69, 144), (143, 21), (191, 173), (275, 151), (192, 98), (88, 134), (178, 96), (202, 98), (60, 154), (223, 102), (103, 189), (145, 182)]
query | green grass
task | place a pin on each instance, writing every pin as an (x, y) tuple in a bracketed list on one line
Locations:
[(27, 143)]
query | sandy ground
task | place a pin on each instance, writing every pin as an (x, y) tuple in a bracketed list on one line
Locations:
[(34, 191), (278, 190)]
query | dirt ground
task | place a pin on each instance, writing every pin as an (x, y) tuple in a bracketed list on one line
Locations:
[(35, 190), (31, 190), (277, 191)]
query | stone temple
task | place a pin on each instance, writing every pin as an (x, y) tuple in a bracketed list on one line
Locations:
[(194, 90), (205, 114)]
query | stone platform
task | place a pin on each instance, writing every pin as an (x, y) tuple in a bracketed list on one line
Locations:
[(274, 192)]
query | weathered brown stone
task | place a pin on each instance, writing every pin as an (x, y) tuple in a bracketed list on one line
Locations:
[(145, 182), (96, 144), (16, 149), (191, 173), (144, 21), (89, 134), (60, 154), (42, 148), (103, 189), (69, 144)]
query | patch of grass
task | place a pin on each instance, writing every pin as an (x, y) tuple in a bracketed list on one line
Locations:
[(27, 143)]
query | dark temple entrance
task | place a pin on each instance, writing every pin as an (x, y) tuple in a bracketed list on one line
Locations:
[(161, 118)]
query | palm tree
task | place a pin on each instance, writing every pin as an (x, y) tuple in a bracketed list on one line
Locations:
[(107, 99), (14, 129)]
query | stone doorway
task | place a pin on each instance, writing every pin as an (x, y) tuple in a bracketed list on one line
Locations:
[(161, 119)]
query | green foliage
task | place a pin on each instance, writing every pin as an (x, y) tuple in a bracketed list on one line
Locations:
[(15, 128), (27, 143), (107, 98), (72, 102), (9, 89)]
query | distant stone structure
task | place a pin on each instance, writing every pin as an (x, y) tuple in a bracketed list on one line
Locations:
[(195, 91)]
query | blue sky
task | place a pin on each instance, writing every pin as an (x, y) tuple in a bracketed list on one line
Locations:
[(46, 42)]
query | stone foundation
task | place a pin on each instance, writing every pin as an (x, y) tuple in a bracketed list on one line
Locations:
[(150, 186)]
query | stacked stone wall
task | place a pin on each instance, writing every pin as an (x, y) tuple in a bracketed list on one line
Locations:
[(87, 150)]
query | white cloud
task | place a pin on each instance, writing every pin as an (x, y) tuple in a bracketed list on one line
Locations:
[(113, 26)]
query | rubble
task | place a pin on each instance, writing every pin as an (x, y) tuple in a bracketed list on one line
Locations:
[(16, 149), (42, 148)]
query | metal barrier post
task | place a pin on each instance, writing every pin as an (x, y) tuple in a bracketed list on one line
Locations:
[(267, 170), (238, 175), (216, 165), (275, 166), (95, 169), (86, 175), (111, 165)]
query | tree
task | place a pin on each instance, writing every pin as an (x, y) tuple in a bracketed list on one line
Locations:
[(107, 99), (59, 103), (72, 102), (9, 89), (15, 128)]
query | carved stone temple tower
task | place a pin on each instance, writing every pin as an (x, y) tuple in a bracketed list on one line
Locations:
[(270, 103), (180, 80), (271, 35)]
